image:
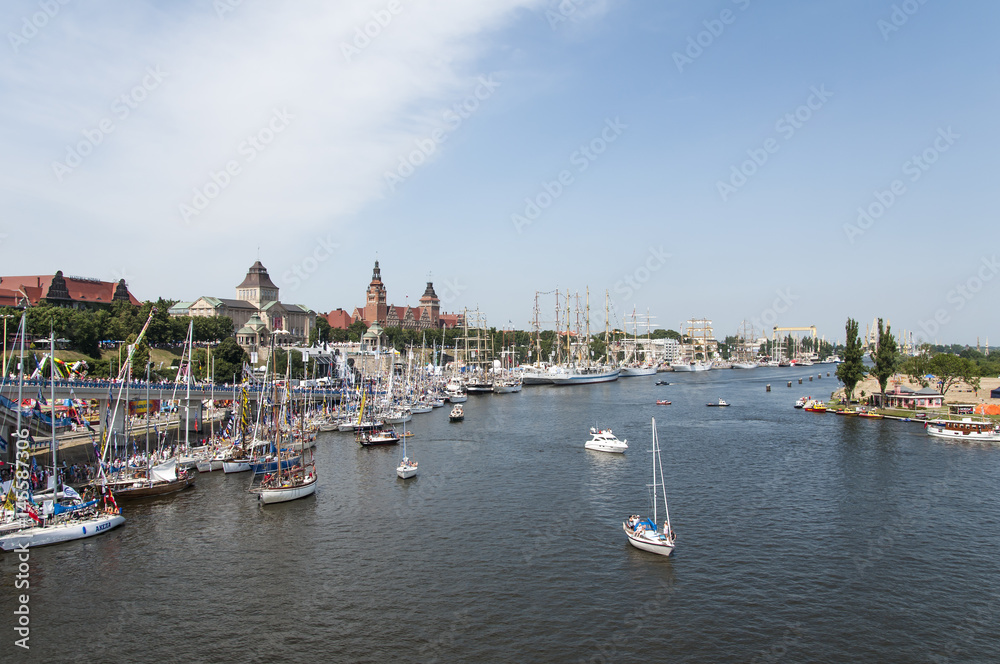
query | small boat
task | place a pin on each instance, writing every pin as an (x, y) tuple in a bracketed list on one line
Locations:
[(661, 382), (603, 440), (662, 402), (869, 414), (642, 533), (721, 403), (457, 414), (814, 406), (801, 402), (378, 437), (301, 483)]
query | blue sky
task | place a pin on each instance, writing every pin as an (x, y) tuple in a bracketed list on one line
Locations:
[(429, 143)]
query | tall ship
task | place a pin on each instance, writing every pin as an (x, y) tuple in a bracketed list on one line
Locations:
[(700, 341), (636, 362), (745, 356), (582, 370)]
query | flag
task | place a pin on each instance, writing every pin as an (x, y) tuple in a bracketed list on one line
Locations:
[(10, 501), (70, 492), (32, 512)]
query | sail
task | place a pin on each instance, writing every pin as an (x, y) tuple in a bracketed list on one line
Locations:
[(165, 472)]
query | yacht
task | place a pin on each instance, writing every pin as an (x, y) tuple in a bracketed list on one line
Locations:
[(603, 440)]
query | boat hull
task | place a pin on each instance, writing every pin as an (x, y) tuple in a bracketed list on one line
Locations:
[(602, 447), (285, 494), (631, 372), (124, 492), (586, 379), (696, 366), (235, 466), (659, 547), (406, 472), (941, 432), (43, 536)]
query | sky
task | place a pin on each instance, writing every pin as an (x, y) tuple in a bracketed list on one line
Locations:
[(782, 163)]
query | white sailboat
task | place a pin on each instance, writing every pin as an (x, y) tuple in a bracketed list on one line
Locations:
[(407, 467), (643, 533)]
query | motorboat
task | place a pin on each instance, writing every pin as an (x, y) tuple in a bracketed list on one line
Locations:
[(662, 402), (603, 440), (964, 429), (457, 414), (721, 402), (661, 382)]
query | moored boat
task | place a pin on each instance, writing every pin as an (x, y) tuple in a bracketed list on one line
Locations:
[(964, 429)]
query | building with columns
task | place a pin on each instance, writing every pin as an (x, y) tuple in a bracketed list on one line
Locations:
[(426, 316), (256, 312)]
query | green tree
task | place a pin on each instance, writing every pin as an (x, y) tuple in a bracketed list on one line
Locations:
[(917, 368), (951, 369), (852, 369), (320, 333), (229, 358), (886, 357)]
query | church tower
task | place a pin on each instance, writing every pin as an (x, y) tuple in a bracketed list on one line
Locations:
[(375, 307), (430, 304)]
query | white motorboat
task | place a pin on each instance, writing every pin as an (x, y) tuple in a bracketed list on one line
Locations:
[(603, 440), (721, 402), (744, 365), (802, 401), (643, 533), (61, 532), (964, 429), (457, 414)]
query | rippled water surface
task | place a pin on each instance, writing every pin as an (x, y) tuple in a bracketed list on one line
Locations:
[(801, 537)]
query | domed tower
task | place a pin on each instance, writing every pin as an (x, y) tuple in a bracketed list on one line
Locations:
[(257, 287), (430, 304), (375, 307)]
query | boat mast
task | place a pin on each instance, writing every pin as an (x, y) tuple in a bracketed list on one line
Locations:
[(20, 369), (52, 400), (187, 382)]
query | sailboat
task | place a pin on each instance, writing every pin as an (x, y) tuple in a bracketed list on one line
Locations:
[(290, 479), (642, 532), (59, 522), (407, 467)]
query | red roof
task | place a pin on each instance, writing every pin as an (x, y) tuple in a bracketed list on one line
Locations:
[(80, 290), (339, 319)]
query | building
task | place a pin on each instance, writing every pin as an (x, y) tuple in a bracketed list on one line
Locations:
[(909, 399), (256, 312), (74, 292), (426, 316)]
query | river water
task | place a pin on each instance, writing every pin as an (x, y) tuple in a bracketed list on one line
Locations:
[(801, 537)]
